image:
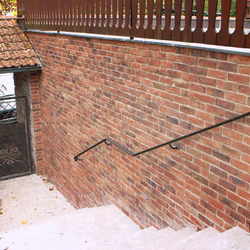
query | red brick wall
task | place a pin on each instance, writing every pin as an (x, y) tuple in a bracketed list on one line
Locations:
[(142, 95)]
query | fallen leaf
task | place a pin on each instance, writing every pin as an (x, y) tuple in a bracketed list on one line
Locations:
[(24, 222), (14, 198)]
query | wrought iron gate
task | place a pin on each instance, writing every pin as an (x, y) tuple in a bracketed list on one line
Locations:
[(14, 133)]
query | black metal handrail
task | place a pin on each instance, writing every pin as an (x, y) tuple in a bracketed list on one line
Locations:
[(110, 142)]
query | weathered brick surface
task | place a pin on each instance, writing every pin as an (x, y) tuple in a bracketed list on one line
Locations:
[(142, 95)]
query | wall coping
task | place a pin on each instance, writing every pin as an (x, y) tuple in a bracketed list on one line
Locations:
[(169, 43)]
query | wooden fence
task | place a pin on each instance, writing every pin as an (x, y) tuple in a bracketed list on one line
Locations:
[(179, 20)]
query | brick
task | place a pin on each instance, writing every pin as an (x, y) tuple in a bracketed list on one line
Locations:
[(189, 60), (229, 169), (238, 182), (243, 69), (198, 70), (215, 92), (227, 185), (243, 147), (207, 81), (226, 218), (182, 67), (239, 59), (244, 89), (208, 63), (244, 212), (218, 55), (236, 97), (235, 215), (238, 78), (243, 193), (225, 104), (231, 152), (217, 74), (237, 199), (220, 156), (205, 220), (226, 66)]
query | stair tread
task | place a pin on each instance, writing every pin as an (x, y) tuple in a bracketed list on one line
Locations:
[(235, 238), (191, 240), (81, 228)]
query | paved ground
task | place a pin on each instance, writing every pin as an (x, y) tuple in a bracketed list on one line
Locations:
[(28, 200)]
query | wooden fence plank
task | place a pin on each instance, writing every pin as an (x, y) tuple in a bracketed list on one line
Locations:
[(158, 27), (176, 34), (223, 37), (120, 18), (141, 28), (103, 14), (187, 33), (210, 35), (127, 22), (238, 38), (149, 32), (198, 34), (108, 17), (167, 33), (134, 6), (115, 17)]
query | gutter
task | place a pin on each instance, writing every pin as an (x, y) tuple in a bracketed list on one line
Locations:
[(21, 69)]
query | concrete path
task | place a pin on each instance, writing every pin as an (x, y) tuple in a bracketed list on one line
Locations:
[(28, 200)]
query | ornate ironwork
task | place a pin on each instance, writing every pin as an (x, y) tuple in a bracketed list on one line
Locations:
[(11, 154)]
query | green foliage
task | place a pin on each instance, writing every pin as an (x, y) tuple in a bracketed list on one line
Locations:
[(2, 89), (8, 6), (232, 12), (233, 7)]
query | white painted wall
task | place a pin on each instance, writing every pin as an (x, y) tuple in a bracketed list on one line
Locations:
[(8, 81)]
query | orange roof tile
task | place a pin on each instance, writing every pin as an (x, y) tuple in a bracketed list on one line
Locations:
[(16, 52)]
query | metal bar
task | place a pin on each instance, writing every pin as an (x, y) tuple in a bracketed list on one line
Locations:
[(166, 143), (76, 157)]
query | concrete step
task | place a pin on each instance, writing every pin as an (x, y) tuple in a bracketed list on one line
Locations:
[(235, 238), (191, 240), (128, 241), (165, 241), (83, 229), (52, 223)]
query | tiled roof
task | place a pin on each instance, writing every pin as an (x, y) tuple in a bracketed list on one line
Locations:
[(16, 52)]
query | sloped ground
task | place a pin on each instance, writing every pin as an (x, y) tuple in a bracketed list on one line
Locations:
[(36, 216)]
